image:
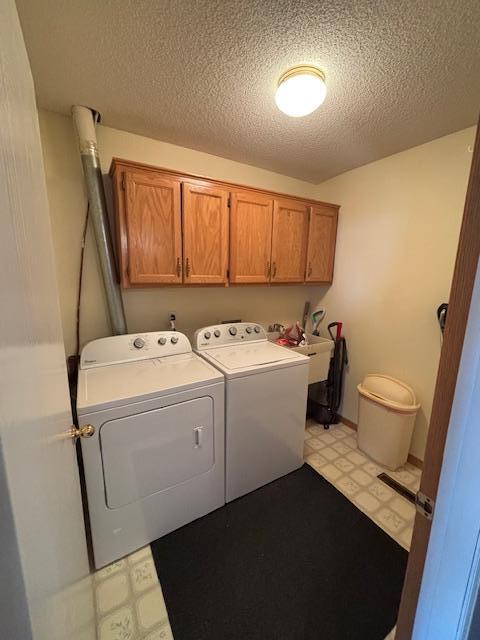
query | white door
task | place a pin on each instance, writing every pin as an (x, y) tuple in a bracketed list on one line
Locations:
[(45, 591)]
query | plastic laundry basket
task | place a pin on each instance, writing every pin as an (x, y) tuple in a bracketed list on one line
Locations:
[(386, 415)]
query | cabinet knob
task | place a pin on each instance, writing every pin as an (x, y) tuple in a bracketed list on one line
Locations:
[(179, 267), (269, 269), (309, 269), (274, 270), (187, 268)]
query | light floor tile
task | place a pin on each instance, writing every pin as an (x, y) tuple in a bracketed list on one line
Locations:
[(338, 434), (351, 442), (343, 464), (381, 491), (329, 453), (354, 474), (112, 592), (406, 536), (367, 501), (317, 460), (361, 477), (392, 521), (372, 468), (141, 554), (326, 438), (348, 486), (130, 604), (403, 476), (330, 472), (341, 448), (163, 633), (144, 575), (315, 430), (109, 570), (356, 457), (314, 443), (404, 508), (118, 626), (151, 609), (307, 451)]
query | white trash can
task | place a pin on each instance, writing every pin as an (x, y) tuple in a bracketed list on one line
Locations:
[(386, 416)]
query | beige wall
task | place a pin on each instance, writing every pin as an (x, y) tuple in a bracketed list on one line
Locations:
[(397, 240), (397, 237), (147, 309)]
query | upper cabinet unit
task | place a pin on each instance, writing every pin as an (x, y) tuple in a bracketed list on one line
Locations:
[(153, 228), (251, 217), (289, 240), (175, 229), (205, 234), (322, 236)]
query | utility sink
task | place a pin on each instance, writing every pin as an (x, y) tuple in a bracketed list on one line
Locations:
[(318, 349)]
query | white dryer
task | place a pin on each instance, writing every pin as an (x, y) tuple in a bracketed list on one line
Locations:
[(156, 459), (266, 395)]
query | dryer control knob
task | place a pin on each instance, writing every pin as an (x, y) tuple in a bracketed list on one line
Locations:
[(257, 329), (139, 343), (216, 333), (232, 331), (162, 340), (249, 329), (174, 339), (207, 335)]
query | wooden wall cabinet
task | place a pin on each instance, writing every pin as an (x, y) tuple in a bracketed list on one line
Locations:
[(175, 229), (322, 235), (289, 240), (205, 234), (153, 228), (251, 217)]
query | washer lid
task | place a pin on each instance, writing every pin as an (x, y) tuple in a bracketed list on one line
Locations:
[(119, 384), (242, 358)]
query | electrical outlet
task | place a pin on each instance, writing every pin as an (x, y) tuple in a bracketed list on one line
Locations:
[(172, 316)]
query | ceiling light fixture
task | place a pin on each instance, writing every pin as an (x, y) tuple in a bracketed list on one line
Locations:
[(300, 91)]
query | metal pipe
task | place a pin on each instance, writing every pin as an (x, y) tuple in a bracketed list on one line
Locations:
[(85, 120)]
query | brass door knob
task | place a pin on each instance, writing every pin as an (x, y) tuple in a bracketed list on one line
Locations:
[(85, 431)]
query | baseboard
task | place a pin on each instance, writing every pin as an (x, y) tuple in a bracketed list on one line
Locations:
[(416, 462)]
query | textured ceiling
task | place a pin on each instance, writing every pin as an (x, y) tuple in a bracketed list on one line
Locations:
[(203, 73)]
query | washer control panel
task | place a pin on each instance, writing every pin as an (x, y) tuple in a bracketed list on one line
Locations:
[(227, 334), (130, 347)]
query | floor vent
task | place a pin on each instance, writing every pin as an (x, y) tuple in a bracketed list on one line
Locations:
[(399, 488)]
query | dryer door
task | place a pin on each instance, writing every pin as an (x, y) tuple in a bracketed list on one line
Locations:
[(155, 450)]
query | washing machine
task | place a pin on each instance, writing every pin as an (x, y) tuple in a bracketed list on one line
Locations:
[(155, 460), (265, 403)]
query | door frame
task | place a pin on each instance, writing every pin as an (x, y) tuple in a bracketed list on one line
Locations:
[(465, 271)]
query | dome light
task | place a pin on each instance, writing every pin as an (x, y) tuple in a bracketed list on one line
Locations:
[(300, 91)]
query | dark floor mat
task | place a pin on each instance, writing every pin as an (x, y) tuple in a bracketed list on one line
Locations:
[(294, 560)]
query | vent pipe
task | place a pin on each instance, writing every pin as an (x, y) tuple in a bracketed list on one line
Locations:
[(85, 120)]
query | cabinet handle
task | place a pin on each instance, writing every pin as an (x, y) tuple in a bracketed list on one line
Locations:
[(274, 269), (269, 269), (179, 267), (309, 269), (187, 268)]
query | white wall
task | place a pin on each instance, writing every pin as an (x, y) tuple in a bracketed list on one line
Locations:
[(397, 240), (147, 309)]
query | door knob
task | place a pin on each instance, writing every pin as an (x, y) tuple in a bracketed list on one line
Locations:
[(85, 431)]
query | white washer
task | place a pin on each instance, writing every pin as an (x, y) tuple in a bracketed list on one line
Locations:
[(266, 395), (156, 459)]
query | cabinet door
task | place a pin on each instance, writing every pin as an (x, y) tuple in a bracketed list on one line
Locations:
[(205, 234), (251, 218), (322, 235), (153, 218), (289, 240)]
